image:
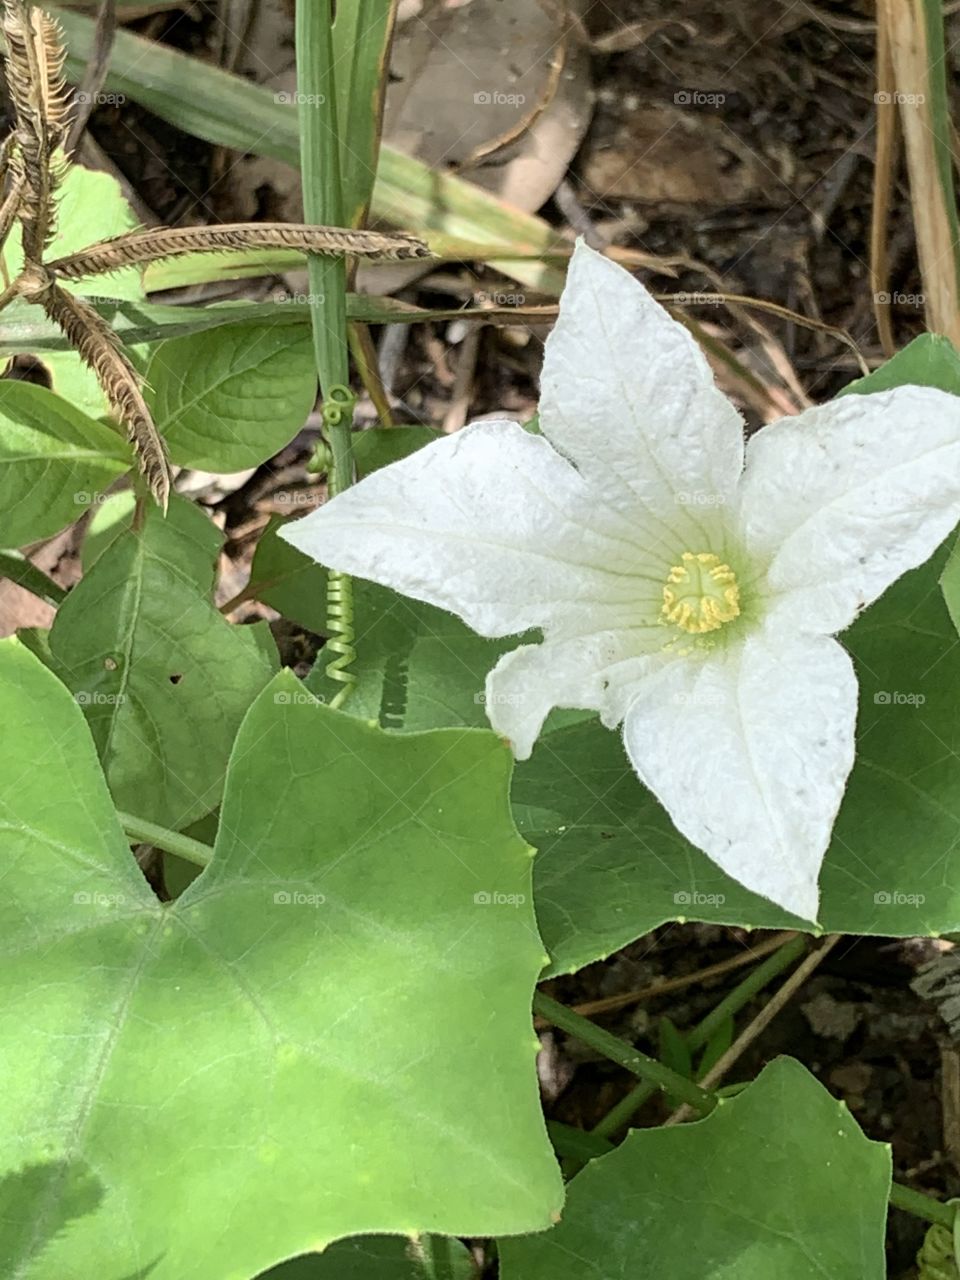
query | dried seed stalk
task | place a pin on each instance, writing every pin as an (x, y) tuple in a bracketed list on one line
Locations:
[(155, 244), (98, 346), (34, 74)]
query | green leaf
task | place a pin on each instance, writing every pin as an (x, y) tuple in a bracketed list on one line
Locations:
[(417, 667), (611, 865), (928, 361), (379, 1258), (289, 581), (284, 1045), (380, 446), (91, 208), (232, 397), (163, 679), (779, 1181), (54, 461)]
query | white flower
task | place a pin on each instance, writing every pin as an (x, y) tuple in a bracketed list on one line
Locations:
[(685, 585)]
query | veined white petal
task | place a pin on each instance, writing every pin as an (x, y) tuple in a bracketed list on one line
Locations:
[(843, 499), (628, 396), (594, 673), (749, 751), (493, 525)]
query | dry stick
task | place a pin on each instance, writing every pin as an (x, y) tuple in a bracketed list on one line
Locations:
[(666, 985), (95, 75), (759, 1023), (883, 175), (931, 197), (156, 243)]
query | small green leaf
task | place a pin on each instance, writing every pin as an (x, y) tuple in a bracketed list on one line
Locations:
[(778, 1181), (928, 361), (232, 397), (163, 679), (380, 446), (288, 581), (54, 461), (290, 1033)]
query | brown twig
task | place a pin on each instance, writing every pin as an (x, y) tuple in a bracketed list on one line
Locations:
[(760, 1023)]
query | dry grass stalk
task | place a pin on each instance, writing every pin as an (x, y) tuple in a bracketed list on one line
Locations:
[(31, 168), (155, 244)]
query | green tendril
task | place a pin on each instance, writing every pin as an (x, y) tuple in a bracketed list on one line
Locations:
[(340, 639)]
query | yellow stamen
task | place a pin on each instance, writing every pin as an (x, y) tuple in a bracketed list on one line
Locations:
[(700, 594)]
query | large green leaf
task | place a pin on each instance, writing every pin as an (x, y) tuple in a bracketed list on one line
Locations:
[(163, 679), (612, 866), (232, 397), (54, 461), (327, 1034), (928, 361), (777, 1182)]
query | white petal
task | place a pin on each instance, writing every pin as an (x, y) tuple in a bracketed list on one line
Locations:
[(628, 396), (749, 751), (592, 673), (843, 499), (493, 525)]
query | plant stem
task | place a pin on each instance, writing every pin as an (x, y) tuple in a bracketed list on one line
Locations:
[(698, 1036), (185, 847), (612, 1047), (922, 1206), (323, 204)]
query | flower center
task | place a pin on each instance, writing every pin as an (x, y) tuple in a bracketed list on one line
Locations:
[(700, 593)]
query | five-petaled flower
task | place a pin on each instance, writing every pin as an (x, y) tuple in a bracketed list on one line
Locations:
[(686, 585)]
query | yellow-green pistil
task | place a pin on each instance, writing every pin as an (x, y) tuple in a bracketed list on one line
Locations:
[(700, 593)]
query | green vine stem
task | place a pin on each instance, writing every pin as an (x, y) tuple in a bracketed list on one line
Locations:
[(323, 205), (610, 1046), (698, 1036), (140, 831)]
